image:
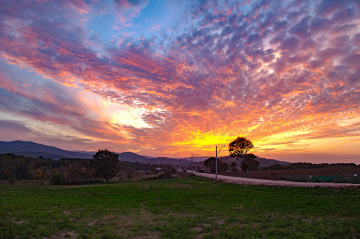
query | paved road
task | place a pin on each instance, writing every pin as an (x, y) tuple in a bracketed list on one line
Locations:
[(282, 183)]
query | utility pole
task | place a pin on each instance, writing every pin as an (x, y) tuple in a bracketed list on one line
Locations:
[(217, 152), (216, 162)]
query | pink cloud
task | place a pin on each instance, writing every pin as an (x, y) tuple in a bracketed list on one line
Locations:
[(222, 74)]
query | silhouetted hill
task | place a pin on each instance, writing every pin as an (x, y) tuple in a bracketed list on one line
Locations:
[(197, 158), (133, 157), (264, 162), (166, 160), (31, 149)]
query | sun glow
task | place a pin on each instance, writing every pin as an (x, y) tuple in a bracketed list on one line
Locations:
[(114, 113), (203, 79), (205, 140)]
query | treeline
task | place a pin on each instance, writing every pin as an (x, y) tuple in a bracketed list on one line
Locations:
[(67, 170), (248, 164), (295, 166), (21, 167), (251, 164)]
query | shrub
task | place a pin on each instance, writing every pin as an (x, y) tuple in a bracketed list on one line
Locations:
[(57, 179), (12, 180), (166, 174), (130, 173)]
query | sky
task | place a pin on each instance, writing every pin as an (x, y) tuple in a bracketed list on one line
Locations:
[(177, 78)]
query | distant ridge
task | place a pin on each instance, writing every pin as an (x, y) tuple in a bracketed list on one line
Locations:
[(264, 162), (133, 157), (31, 149)]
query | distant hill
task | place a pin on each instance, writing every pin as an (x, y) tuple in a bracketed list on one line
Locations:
[(197, 158), (133, 157), (264, 162), (31, 149)]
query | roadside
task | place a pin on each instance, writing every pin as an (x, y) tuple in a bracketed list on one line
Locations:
[(264, 182), (276, 174)]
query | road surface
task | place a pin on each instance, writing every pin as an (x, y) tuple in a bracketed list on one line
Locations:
[(282, 183)]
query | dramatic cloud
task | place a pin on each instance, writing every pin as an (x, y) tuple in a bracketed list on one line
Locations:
[(283, 74)]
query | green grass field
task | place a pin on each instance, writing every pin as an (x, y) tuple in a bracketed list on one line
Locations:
[(177, 208)]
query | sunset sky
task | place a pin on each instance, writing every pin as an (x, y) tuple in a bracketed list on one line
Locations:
[(176, 78)]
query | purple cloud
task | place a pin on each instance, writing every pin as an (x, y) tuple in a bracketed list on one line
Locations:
[(223, 62)]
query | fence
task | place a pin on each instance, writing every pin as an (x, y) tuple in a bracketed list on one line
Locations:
[(334, 179)]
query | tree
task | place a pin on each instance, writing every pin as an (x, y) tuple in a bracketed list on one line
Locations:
[(210, 163), (250, 163), (233, 167), (105, 164), (76, 170), (239, 148), (225, 167), (39, 174)]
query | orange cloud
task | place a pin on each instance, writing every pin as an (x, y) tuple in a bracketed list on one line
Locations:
[(273, 78)]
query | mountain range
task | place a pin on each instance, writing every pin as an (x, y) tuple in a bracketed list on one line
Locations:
[(31, 149)]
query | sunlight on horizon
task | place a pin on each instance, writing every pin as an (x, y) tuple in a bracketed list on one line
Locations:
[(174, 78)]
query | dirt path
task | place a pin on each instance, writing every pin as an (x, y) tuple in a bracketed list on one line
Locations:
[(254, 181)]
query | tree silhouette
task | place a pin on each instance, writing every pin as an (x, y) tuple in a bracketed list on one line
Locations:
[(210, 163), (105, 164), (250, 163), (225, 167), (239, 148), (233, 167)]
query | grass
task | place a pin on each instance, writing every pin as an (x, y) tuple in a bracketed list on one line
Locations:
[(177, 208)]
